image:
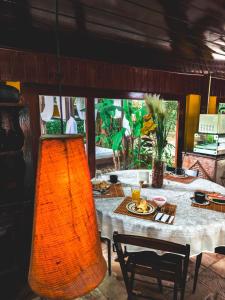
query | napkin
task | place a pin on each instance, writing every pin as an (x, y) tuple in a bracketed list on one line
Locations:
[(165, 218)]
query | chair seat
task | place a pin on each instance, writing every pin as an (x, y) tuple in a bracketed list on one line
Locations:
[(166, 267)]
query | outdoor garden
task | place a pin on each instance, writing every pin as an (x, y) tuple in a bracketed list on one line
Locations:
[(123, 139)]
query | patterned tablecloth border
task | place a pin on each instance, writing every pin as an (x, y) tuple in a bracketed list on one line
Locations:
[(211, 206)]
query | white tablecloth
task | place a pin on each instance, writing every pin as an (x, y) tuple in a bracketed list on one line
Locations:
[(202, 229)]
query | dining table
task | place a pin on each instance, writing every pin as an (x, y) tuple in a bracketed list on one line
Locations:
[(202, 229)]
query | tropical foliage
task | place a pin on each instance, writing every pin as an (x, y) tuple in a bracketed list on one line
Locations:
[(131, 148), (158, 124)]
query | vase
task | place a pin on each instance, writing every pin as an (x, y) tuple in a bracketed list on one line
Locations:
[(157, 173)]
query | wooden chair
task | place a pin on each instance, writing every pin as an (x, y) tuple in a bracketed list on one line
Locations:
[(171, 266)]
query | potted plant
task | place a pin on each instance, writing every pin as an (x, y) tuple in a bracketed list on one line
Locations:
[(157, 126)]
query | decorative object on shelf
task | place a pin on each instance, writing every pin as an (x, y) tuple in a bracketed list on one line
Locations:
[(8, 93), (157, 125), (12, 164), (66, 260), (11, 135)]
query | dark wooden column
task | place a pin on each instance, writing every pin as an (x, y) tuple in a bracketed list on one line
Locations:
[(90, 133), (205, 93), (180, 130), (31, 99)]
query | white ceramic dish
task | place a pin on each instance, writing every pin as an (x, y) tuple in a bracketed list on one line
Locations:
[(214, 200), (159, 200), (96, 188), (205, 203), (132, 208), (180, 176)]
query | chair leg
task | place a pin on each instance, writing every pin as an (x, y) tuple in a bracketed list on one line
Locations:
[(109, 256), (160, 285), (182, 293), (197, 267), (175, 291), (132, 278)]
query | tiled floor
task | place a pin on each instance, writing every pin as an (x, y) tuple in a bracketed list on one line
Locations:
[(211, 283)]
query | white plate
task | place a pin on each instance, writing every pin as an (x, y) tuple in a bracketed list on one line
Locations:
[(95, 188), (203, 204), (132, 208), (212, 200), (180, 176)]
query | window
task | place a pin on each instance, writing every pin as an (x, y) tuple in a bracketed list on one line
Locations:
[(73, 115), (119, 144)]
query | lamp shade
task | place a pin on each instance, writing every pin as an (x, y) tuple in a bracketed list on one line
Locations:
[(66, 257)]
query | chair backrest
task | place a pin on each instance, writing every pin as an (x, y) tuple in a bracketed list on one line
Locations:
[(151, 243), (149, 263), (193, 173)]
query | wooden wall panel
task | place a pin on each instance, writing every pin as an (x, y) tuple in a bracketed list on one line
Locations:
[(40, 68)]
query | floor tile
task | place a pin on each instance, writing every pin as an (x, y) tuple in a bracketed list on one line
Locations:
[(219, 267)]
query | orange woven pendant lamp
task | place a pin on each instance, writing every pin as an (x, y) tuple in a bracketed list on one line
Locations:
[(66, 259)]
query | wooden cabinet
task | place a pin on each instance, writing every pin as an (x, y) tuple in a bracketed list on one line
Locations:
[(14, 240), (210, 167), (12, 165)]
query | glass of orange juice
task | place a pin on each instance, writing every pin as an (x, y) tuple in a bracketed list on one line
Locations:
[(136, 194)]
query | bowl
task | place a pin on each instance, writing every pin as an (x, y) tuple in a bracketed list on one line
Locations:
[(159, 200)]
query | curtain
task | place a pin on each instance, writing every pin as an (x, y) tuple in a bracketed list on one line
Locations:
[(63, 107), (126, 126), (118, 114), (47, 113)]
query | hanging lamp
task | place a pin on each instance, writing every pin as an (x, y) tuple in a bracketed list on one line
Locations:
[(66, 259)]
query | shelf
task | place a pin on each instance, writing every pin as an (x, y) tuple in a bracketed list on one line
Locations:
[(11, 104)]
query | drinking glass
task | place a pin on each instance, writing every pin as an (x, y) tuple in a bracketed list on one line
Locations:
[(98, 175), (136, 194)]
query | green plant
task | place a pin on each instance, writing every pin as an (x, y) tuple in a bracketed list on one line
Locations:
[(111, 134), (54, 126), (158, 124), (138, 153)]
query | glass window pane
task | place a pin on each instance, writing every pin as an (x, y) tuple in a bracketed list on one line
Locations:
[(73, 115), (119, 142)]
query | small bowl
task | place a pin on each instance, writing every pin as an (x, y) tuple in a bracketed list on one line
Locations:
[(159, 200)]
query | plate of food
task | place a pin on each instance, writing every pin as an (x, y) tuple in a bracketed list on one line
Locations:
[(143, 208), (216, 198), (100, 186), (180, 175)]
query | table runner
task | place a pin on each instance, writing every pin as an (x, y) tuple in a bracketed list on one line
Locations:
[(168, 208), (115, 190), (185, 180), (211, 206)]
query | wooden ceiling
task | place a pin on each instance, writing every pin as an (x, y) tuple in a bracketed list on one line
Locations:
[(177, 35)]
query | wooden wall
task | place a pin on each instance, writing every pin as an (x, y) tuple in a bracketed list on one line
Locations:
[(37, 73), (29, 67)]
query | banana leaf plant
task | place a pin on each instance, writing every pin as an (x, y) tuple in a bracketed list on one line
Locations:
[(111, 133), (137, 149)]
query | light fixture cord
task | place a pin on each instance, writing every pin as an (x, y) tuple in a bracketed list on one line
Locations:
[(59, 75)]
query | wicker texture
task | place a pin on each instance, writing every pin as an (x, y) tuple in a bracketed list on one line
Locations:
[(184, 180), (211, 206), (66, 259), (115, 190), (167, 208)]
